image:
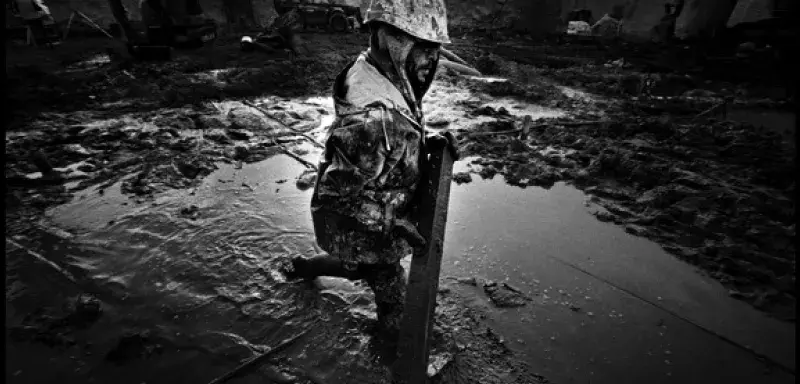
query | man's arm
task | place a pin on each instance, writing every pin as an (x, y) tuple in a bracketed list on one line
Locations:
[(355, 153)]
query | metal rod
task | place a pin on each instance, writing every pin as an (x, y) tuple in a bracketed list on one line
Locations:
[(254, 361)]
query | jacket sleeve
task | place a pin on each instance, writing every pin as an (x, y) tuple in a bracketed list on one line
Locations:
[(355, 152)]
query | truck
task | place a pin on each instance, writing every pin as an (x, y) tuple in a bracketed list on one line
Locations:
[(331, 15)]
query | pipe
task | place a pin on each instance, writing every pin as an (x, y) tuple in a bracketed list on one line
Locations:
[(459, 68), (449, 55)]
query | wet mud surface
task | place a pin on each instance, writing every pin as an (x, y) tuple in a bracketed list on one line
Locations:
[(182, 188)]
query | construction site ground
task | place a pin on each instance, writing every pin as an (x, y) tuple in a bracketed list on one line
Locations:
[(640, 229)]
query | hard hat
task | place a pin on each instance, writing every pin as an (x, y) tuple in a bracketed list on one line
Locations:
[(423, 19)]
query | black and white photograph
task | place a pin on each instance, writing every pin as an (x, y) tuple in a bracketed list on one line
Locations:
[(400, 191)]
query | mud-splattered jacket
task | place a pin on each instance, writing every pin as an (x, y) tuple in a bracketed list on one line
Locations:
[(370, 169)]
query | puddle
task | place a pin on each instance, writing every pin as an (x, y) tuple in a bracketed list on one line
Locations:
[(215, 273), (530, 237), (204, 270)]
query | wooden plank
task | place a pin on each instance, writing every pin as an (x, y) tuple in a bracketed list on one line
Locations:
[(423, 283)]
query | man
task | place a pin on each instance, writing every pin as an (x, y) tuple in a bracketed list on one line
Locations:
[(376, 154)]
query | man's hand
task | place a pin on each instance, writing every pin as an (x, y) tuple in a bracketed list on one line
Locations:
[(439, 140)]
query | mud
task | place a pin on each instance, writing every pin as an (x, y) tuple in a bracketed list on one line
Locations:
[(715, 192), (181, 227)]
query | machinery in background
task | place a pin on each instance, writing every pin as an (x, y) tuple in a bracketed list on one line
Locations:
[(330, 15), (177, 23)]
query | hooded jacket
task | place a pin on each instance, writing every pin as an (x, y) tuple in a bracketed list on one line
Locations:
[(371, 167)]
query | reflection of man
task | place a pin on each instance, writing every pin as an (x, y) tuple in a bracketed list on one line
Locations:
[(37, 17), (376, 151)]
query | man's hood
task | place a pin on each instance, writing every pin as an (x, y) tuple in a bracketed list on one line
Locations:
[(399, 51)]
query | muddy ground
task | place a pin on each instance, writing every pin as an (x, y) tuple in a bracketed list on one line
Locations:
[(653, 147)]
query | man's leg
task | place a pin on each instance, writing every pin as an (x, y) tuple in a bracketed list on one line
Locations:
[(389, 285), (316, 266)]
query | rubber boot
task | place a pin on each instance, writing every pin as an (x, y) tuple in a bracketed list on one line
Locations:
[(316, 266), (389, 285)]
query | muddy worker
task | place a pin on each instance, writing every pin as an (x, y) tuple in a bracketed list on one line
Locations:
[(376, 154)]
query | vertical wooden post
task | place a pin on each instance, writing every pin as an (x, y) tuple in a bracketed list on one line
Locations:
[(423, 282)]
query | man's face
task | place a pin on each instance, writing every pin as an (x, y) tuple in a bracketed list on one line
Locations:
[(420, 63)]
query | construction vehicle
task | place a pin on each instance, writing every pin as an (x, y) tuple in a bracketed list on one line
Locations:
[(330, 15), (177, 23)]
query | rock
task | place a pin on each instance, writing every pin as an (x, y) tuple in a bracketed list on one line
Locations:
[(634, 229), (77, 149), (241, 152), (468, 280), (218, 135), (187, 168), (178, 122), (438, 121), (240, 134), (487, 110), (190, 211), (184, 144), (307, 180), (86, 167), (147, 144), (210, 122), (87, 307), (496, 126), (462, 177), (505, 296), (164, 137), (171, 132), (242, 118), (690, 179)]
